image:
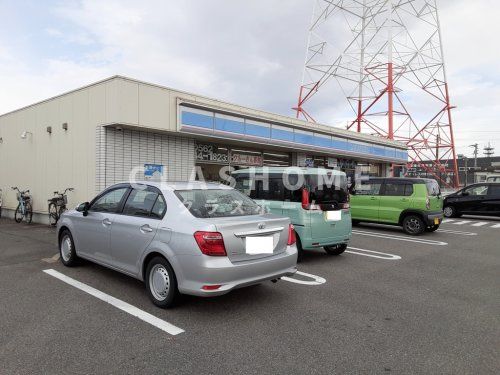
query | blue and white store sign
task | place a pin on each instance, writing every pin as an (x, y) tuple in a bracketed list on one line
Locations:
[(199, 121), (153, 171)]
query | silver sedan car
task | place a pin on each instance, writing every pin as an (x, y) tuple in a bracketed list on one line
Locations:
[(195, 238)]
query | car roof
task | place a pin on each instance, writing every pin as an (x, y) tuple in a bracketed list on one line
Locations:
[(415, 180), (177, 185)]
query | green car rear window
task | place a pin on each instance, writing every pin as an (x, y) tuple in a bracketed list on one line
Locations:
[(433, 188)]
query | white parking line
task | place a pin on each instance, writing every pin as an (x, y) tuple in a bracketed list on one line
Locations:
[(372, 254), (457, 232), (495, 226), (480, 224), (317, 279), (124, 306), (400, 238), (448, 220), (462, 222)]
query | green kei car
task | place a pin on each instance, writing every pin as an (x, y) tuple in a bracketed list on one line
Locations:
[(413, 203), (317, 203)]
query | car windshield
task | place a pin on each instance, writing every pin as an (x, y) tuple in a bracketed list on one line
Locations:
[(432, 188), (328, 188), (208, 203)]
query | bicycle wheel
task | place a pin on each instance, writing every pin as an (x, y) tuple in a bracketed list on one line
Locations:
[(53, 216), (18, 215), (28, 212), (61, 211)]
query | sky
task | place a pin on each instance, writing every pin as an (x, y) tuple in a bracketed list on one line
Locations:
[(246, 52)]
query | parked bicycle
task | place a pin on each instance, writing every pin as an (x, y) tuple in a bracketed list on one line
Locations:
[(24, 207), (57, 205)]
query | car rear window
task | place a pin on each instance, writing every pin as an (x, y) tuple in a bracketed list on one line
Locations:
[(327, 188), (208, 203), (433, 188)]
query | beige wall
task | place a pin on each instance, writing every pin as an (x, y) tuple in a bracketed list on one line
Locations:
[(46, 162)]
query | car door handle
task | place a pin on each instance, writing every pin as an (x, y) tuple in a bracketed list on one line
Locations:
[(146, 228), (106, 222), (373, 198), (404, 199)]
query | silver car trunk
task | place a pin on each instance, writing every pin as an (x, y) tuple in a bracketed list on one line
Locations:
[(235, 230)]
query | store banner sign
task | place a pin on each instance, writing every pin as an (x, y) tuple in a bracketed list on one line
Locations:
[(246, 159), (153, 171), (211, 153)]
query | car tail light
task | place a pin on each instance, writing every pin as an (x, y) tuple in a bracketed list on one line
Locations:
[(305, 198), (210, 243), (306, 205), (292, 238)]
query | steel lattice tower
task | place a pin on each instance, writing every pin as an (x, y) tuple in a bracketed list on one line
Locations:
[(387, 58)]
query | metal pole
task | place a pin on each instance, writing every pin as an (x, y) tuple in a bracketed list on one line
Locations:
[(361, 68), (390, 83)]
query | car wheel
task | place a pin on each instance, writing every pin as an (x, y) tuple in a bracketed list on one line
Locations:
[(161, 282), (450, 211), (432, 228), (300, 251), (414, 225), (335, 249), (67, 250)]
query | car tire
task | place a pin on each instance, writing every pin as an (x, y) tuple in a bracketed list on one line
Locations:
[(300, 251), (432, 228), (335, 249), (450, 211), (414, 225), (161, 283), (67, 251)]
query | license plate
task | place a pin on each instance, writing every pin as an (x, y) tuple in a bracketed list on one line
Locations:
[(259, 245), (333, 215), (436, 221)]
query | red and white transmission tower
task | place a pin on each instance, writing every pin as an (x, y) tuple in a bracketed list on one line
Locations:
[(387, 58)]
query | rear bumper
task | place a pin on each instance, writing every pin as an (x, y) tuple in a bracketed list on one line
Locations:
[(430, 217), (308, 244), (198, 271)]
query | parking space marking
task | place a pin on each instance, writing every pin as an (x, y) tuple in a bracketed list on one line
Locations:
[(400, 238), (457, 232), (372, 254), (448, 220), (317, 279), (480, 224), (462, 222), (124, 306), (495, 226)]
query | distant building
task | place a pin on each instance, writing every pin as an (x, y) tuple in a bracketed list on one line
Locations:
[(468, 172)]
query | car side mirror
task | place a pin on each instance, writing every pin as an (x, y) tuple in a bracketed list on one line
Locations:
[(83, 208)]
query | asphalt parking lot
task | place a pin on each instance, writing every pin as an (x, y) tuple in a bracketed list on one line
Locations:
[(391, 304)]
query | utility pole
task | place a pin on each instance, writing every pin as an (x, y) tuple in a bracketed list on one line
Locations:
[(476, 147)]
